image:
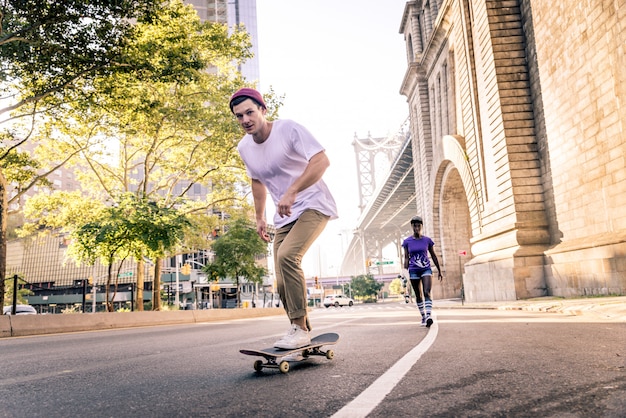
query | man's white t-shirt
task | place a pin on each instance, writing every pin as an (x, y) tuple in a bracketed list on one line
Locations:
[(280, 160)]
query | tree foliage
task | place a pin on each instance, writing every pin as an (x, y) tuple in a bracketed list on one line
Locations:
[(161, 138), (134, 227), (235, 255), (395, 287), (48, 45), (365, 286), (172, 137), (156, 123), (46, 48)]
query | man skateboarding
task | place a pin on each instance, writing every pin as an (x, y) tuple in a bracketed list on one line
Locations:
[(285, 158)]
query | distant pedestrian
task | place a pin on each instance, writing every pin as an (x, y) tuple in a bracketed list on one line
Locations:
[(416, 250)]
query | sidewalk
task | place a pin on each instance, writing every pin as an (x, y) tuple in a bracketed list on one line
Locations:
[(610, 308)]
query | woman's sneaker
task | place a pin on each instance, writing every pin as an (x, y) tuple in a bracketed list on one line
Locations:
[(423, 321), (296, 337), (429, 321)]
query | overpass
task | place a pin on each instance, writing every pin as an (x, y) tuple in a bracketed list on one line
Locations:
[(385, 216)]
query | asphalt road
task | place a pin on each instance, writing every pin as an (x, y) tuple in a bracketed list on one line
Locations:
[(471, 363)]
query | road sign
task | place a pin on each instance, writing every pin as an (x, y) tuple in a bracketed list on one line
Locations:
[(379, 263), (126, 274)]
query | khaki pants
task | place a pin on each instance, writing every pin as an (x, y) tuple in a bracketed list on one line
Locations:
[(291, 242)]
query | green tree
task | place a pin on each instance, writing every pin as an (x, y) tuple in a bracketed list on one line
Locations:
[(161, 231), (134, 227), (157, 136), (235, 255), (170, 136), (365, 286), (106, 237), (97, 231), (23, 172), (48, 47)]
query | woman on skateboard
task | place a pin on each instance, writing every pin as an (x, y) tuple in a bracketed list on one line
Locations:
[(416, 250)]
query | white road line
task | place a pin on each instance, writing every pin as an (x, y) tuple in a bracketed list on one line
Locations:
[(376, 392)]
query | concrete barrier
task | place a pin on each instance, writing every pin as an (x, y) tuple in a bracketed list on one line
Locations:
[(24, 325), (5, 326)]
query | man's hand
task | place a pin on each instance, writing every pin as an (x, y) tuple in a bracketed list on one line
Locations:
[(261, 229), (285, 203)]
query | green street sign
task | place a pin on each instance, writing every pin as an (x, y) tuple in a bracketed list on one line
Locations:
[(380, 263), (126, 274)]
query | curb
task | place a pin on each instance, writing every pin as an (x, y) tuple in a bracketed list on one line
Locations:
[(26, 325), (611, 308)]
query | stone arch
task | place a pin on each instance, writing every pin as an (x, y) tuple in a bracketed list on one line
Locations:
[(454, 151), (453, 196)]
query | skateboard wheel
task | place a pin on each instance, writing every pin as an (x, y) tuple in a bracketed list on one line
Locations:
[(330, 354), (258, 365), (283, 367)]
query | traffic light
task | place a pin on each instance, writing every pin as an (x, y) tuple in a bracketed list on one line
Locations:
[(317, 282), (186, 269)]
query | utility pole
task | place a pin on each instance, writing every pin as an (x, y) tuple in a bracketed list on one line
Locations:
[(14, 307), (84, 294)]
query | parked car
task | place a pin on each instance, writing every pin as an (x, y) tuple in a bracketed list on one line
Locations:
[(19, 310), (337, 300)]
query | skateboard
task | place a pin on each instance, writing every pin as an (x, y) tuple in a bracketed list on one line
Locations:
[(272, 355), (407, 290)]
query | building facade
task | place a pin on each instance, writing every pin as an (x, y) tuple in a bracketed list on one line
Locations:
[(517, 122), (234, 13)]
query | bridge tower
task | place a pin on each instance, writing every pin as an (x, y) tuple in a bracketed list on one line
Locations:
[(367, 150), (374, 158)]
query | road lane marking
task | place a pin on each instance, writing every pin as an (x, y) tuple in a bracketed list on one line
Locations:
[(369, 399)]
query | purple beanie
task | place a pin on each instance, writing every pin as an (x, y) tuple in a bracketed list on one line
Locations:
[(250, 93)]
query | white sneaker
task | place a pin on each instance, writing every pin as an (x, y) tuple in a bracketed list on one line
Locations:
[(295, 338)]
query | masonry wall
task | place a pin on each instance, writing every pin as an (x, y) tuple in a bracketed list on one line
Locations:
[(537, 88), (580, 71)]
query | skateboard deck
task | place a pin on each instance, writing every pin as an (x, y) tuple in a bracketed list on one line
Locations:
[(272, 355)]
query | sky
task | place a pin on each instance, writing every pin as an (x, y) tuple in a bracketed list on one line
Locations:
[(340, 65)]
